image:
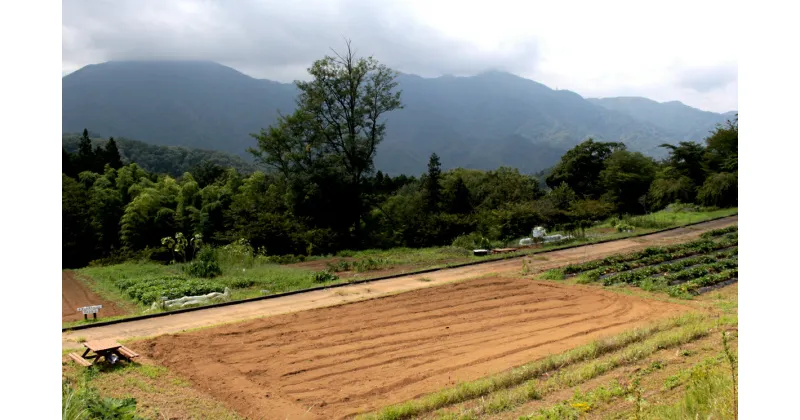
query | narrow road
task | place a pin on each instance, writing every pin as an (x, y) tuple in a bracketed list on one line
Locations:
[(322, 298)]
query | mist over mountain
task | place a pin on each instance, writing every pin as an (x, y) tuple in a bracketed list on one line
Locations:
[(482, 122)]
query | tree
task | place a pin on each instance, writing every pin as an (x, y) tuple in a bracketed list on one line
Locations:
[(460, 201), (76, 230), (627, 177), (687, 159), (336, 127), (111, 154), (670, 187), (722, 148), (720, 190), (432, 185), (67, 166), (86, 157), (580, 167)]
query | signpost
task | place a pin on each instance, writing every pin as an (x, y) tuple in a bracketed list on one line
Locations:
[(86, 310)]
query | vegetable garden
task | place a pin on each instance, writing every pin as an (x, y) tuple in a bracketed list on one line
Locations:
[(680, 270)]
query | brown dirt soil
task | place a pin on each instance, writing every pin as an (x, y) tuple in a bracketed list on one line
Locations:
[(75, 294), (321, 298), (338, 361)]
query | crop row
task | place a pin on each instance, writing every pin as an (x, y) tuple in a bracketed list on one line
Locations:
[(652, 255), (658, 260), (720, 232), (150, 290), (691, 287), (646, 270), (672, 272)]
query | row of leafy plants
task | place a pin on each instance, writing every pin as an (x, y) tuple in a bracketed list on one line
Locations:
[(149, 290), (671, 273), (720, 232), (655, 266), (652, 255), (692, 287)]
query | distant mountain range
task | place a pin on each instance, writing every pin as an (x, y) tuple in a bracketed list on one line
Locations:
[(482, 121)]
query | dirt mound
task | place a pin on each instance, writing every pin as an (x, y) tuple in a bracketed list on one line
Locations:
[(75, 294), (334, 362)]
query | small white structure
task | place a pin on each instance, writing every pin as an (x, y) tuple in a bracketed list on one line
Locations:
[(537, 233), (556, 238), (191, 301)]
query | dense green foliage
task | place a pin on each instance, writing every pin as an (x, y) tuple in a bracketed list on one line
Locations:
[(323, 195), (482, 122), (171, 160)]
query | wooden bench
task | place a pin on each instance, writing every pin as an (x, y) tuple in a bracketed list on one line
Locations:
[(80, 360), (127, 353)]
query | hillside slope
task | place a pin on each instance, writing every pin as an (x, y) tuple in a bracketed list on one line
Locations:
[(481, 122)]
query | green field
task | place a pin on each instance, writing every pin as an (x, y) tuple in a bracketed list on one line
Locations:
[(136, 283)]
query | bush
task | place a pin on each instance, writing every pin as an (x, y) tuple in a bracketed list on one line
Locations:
[(623, 227), (340, 266), (472, 241), (86, 403), (205, 266), (720, 190), (324, 277), (241, 283)]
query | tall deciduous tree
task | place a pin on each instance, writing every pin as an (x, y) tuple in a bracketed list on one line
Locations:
[(626, 178), (580, 167), (687, 159), (722, 148), (337, 126)]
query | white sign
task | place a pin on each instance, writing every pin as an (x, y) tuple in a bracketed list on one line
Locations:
[(90, 309)]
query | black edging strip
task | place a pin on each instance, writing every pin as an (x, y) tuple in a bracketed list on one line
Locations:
[(391, 276)]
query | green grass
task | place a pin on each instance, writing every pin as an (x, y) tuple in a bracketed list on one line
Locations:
[(564, 378), (250, 276), (502, 381), (664, 219)]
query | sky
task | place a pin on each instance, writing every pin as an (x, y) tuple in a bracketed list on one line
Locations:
[(665, 51)]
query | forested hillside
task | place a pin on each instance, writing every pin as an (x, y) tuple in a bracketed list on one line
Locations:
[(482, 122), (171, 160)]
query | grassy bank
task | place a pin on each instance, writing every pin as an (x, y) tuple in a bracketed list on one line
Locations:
[(247, 275)]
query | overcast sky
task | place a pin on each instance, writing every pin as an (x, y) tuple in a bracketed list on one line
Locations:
[(685, 51)]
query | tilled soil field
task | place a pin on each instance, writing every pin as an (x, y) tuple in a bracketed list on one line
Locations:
[(75, 294), (337, 361)]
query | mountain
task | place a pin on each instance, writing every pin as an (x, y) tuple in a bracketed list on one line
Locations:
[(681, 121), (480, 122), (172, 160)]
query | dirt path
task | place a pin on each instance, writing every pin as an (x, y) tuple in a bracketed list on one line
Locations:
[(75, 294), (316, 299), (338, 361)]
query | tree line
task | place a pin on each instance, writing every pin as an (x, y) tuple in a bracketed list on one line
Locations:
[(321, 194)]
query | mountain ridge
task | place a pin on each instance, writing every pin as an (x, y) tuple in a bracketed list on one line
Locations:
[(206, 105)]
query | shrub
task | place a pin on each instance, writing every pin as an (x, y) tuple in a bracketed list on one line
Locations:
[(324, 277), (720, 190), (472, 241), (340, 266), (241, 283), (205, 266)]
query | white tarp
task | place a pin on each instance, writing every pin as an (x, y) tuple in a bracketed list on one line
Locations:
[(191, 300)]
